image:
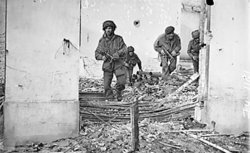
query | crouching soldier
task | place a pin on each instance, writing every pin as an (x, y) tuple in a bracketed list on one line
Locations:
[(168, 45), (131, 60), (111, 50)]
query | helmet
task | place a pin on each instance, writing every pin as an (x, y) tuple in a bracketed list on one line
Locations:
[(169, 30), (195, 34), (108, 23), (131, 49)]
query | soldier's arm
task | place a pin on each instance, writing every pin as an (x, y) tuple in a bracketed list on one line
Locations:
[(99, 51), (138, 61), (157, 46), (122, 47), (189, 49), (178, 47)]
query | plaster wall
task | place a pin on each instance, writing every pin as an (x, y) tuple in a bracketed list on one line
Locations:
[(229, 71), (42, 71), (189, 23)]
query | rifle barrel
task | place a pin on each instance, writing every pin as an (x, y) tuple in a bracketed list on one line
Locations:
[(166, 51)]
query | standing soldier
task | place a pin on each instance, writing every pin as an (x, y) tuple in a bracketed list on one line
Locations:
[(111, 49), (168, 45), (131, 60), (194, 47)]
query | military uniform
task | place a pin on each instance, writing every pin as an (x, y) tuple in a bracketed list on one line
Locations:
[(194, 47), (131, 62), (111, 48), (173, 46)]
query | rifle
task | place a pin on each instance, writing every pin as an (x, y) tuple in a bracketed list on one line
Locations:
[(108, 56), (167, 52)]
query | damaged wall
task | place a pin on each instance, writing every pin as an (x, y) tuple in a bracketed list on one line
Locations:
[(42, 71), (229, 73), (2, 42), (139, 22), (190, 16)]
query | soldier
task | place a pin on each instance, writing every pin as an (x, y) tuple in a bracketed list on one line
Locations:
[(131, 60), (194, 47), (168, 45), (111, 49)]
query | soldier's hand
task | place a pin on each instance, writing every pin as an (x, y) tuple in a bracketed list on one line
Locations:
[(202, 44), (196, 58), (174, 53), (126, 64), (115, 56), (162, 52), (140, 70), (104, 58)]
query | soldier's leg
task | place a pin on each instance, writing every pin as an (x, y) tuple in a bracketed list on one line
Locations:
[(127, 75), (121, 81), (172, 65), (196, 70), (165, 67), (196, 66), (108, 76), (130, 72)]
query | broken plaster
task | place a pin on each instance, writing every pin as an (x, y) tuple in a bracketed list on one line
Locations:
[(191, 8)]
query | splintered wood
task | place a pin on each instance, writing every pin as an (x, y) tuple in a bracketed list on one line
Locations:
[(160, 125), (160, 101), (134, 115)]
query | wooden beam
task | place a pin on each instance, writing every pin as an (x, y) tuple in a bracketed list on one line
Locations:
[(207, 142), (134, 112), (169, 145), (164, 100), (191, 130), (192, 78), (215, 135)]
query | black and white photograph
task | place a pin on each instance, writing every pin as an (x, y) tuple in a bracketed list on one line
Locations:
[(124, 76)]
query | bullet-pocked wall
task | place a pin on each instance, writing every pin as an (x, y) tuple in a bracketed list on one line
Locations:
[(42, 71), (229, 71), (139, 22)]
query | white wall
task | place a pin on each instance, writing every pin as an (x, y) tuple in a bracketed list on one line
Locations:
[(154, 16), (42, 82), (229, 71), (189, 23)]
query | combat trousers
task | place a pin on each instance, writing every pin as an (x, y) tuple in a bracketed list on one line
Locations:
[(129, 75), (120, 84), (168, 66), (196, 66)]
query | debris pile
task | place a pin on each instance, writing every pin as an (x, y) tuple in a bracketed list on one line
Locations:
[(90, 85), (155, 137), (157, 103), (166, 122)]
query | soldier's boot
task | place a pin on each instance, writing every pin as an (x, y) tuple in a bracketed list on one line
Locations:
[(119, 95), (109, 94), (119, 88)]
